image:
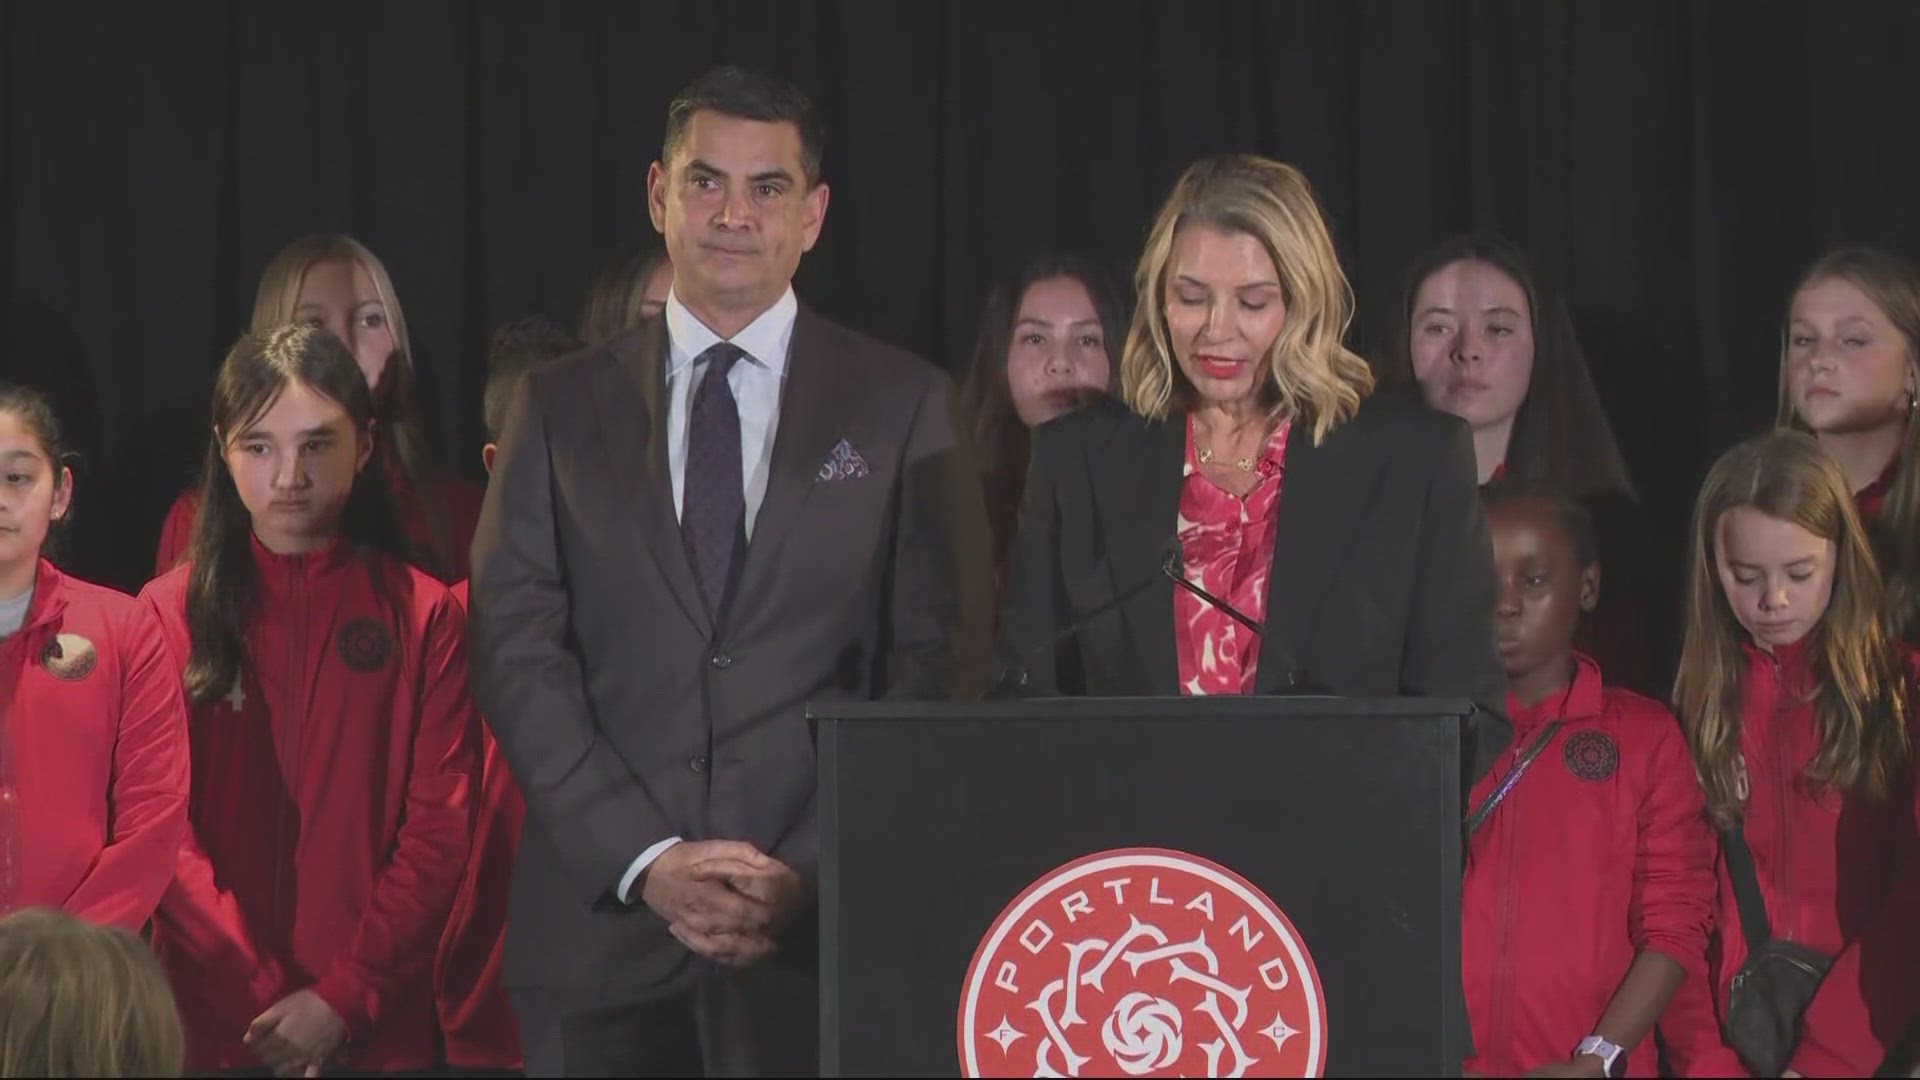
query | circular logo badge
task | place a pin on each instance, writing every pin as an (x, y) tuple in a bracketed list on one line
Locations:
[(366, 645), (1142, 962), (1592, 755), (69, 657)]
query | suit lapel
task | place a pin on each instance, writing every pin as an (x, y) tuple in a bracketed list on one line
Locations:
[(638, 389), (1140, 510), (1323, 490), (815, 405)]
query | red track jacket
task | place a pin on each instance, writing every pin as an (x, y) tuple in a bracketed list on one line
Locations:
[(475, 1019), (1837, 874), (331, 809), (93, 755), (1601, 850)]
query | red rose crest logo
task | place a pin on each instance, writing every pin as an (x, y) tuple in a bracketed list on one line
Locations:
[(1142, 962)]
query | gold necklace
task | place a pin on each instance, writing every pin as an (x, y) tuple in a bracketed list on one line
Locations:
[(1244, 464)]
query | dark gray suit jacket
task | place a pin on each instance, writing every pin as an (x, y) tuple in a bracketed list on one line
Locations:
[(1382, 580), (625, 714)]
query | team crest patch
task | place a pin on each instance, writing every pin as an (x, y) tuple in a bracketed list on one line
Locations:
[(1592, 755), (69, 657), (1142, 962), (365, 645)]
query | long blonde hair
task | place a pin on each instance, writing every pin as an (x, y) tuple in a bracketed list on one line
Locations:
[(1861, 694), (1893, 285), (1312, 375), (399, 430), (83, 1000)]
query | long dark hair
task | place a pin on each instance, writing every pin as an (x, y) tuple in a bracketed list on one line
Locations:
[(1000, 439), (1560, 435), (222, 586), (613, 301)]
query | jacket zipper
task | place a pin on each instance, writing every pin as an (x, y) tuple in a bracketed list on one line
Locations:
[(1500, 1030), (1784, 704), (288, 750)]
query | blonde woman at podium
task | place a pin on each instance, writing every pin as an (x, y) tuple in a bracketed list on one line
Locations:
[(1253, 519)]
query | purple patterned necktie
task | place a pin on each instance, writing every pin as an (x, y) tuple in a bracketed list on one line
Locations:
[(713, 512)]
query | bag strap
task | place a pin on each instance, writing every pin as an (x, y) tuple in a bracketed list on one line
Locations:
[(1746, 888), (1539, 743)]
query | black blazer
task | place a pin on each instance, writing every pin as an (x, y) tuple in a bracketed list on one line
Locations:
[(1382, 583)]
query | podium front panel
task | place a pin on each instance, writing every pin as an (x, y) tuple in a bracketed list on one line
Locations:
[(1141, 887)]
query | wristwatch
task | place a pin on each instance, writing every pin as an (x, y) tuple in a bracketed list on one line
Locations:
[(1612, 1054)]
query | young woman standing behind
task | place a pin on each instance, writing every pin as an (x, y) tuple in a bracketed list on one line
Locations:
[(1049, 341), (335, 282), (1850, 374), (1482, 339)]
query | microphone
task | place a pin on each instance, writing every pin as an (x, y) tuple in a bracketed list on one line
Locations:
[(1175, 568), (1296, 679), (1015, 677)]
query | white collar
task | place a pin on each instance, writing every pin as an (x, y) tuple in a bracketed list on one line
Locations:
[(764, 340)]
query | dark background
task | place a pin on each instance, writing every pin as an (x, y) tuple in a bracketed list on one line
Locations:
[(1674, 162)]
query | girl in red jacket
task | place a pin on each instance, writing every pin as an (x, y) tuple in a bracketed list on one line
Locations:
[(337, 283), (333, 741), (93, 731), (1850, 374), (1589, 885), (1796, 702)]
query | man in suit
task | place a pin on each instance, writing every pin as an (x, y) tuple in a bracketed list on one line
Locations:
[(694, 529)]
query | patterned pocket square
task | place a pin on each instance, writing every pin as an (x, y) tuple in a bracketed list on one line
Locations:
[(844, 463)]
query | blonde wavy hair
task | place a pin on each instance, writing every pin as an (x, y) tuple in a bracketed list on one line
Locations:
[(1892, 284), (1861, 699), (1313, 376), (279, 294), (83, 1000)]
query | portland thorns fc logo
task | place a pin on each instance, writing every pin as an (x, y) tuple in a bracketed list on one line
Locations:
[(1592, 755), (365, 645), (1142, 962)]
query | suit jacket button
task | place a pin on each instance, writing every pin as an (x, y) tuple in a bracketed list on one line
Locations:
[(721, 661), (698, 763)]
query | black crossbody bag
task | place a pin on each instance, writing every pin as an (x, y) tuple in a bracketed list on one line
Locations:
[(1772, 990)]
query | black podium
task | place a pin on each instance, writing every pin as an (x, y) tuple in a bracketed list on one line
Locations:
[(1140, 887)]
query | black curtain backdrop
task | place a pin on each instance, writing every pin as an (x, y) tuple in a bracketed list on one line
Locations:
[(1673, 163)]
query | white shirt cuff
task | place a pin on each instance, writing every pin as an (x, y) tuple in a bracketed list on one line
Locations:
[(640, 865)]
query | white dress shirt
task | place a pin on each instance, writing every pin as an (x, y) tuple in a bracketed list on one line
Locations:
[(756, 381)]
